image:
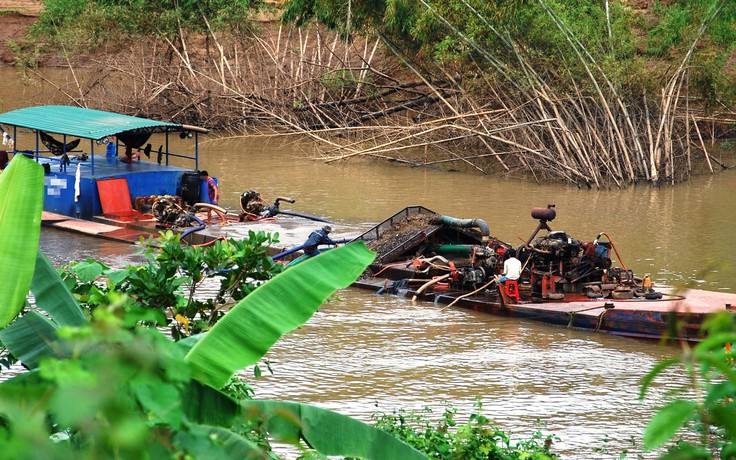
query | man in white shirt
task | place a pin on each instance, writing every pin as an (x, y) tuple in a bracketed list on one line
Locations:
[(511, 267)]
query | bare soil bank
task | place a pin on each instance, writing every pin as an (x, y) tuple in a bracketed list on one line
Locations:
[(16, 16)]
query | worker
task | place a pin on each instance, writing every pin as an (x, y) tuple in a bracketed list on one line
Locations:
[(213, 194), (316, 238), (129, 155), (511, 267)]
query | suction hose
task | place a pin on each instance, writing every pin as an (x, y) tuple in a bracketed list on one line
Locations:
[(485, 231), (202, 226), (287, 252), (428, 284)]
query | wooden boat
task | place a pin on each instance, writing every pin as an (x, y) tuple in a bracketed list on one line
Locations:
[(564, 281), (94, 189), (91, 188)]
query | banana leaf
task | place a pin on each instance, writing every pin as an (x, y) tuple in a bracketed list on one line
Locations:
[(236, 446), (208, 406), (29, 338), (328, 432), (244, 335), (21, 205), (53, 296)]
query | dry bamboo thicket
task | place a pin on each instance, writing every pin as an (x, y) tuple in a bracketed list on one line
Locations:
[(365, 99)]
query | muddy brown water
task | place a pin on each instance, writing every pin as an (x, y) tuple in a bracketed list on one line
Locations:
[(363, 353)]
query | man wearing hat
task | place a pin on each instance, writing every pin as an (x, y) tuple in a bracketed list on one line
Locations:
[(317, 238)]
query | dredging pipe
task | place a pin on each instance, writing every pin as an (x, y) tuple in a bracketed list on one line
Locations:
[(480, 224), (428, 284)]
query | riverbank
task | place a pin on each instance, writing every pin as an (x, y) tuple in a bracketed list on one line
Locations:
[(16, 16), (369, 98)]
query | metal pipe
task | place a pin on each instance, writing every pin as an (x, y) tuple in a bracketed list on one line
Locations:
[(544, 215), (454, 249), (485, 231)]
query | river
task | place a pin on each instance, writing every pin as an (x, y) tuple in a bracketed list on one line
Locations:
[(362, 353)]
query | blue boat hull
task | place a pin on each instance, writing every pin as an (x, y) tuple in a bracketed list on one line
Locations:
[(143, 178)]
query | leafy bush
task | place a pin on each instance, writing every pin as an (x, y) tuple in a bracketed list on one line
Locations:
[(706, 407), (478, 439), (168, 286), (77, 25), (678, 22)]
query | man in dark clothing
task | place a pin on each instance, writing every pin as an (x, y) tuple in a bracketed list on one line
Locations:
[(316, 238)]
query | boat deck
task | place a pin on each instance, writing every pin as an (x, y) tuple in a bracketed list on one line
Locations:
[(114, 230), (292, 231), (633, 317)]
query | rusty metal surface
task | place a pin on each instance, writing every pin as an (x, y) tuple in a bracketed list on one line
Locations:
[(648, 319)]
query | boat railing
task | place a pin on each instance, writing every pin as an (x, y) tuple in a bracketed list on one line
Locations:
[(378, 230)]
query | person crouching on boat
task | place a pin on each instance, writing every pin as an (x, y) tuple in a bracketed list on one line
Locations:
[(213, 194), (129, 155), (317, 237), (511, 268)]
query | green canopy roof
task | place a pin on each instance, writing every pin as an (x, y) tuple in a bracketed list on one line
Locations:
[(83, 123)]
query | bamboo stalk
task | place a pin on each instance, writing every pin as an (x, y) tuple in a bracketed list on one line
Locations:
[(702, 144)]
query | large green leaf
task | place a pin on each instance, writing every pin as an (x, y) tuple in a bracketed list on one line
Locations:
[(245, 334), (21, 206), (29, 338), (208, 406), (236, 446), (53, 296), (665, 423), (328, 432)]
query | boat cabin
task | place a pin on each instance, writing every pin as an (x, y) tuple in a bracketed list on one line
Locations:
[(102, 163)]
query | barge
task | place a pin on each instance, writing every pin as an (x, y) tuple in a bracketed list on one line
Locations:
[(90, 185), (121, 177), (562, 281)]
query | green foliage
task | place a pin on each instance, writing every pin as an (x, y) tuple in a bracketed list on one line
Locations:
[(107, 389), (678, 25), (19, 244), (423, 25), (478, 439), (706, 405), (169, 284), (110, 388), (120, 393), (679, 22), (328, 433), (554, 37), (75, 25)]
